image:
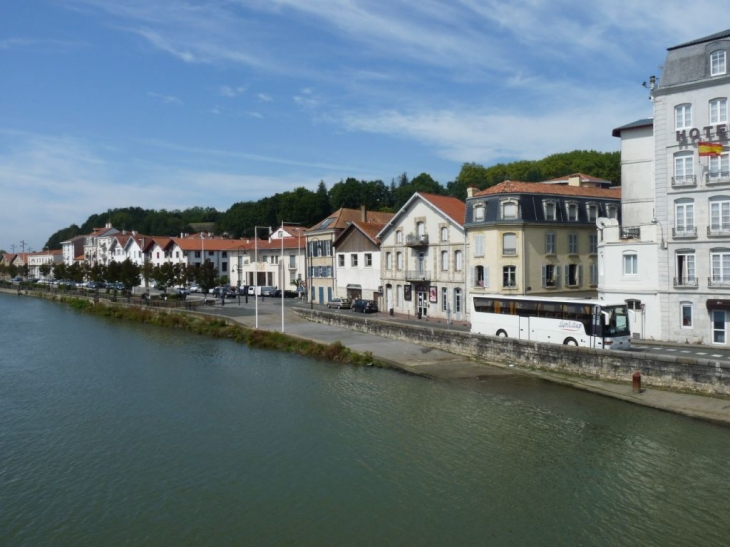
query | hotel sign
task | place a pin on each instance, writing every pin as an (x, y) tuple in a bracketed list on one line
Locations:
[(706, 133)]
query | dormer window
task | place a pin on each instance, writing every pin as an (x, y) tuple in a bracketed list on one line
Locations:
[(510, 210), (479, 212), (571, 208), (718, 64), (592, 211), (550, 208), (611, 211)]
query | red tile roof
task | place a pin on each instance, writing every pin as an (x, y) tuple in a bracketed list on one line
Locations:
[(583, 177), (516, 187), (344, 217), (453, 207)]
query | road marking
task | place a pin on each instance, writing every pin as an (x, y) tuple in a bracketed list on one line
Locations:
[(670, 349), (658, 348), (701, 353), (716, 355), (685, 351)]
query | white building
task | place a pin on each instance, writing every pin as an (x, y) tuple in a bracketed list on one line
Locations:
[(423, 269), (357, 264), (678, 256)]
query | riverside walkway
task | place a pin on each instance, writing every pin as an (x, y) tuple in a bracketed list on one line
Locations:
[(436, 364)]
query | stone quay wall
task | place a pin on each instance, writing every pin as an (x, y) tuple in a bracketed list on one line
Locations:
[(669, 372)]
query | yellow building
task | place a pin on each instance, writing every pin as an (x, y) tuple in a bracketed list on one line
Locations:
[(537, 238)]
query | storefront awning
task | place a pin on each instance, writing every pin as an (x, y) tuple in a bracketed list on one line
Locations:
[(715, 304), (354, 287)]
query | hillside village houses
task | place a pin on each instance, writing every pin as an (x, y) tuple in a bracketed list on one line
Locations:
[(670, 259)]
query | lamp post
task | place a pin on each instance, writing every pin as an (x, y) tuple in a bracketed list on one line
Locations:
[(256, 269)]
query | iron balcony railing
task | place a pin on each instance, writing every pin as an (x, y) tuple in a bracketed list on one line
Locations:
[(718, 231), (630, 232), (717, 177), (413, 240), (684, 181), (418, 275), (687, 281), (718, 281), (684, 231)]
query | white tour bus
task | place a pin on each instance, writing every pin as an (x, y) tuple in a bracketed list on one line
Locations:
[(569, 321)]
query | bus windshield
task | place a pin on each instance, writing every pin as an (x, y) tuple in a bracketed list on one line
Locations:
[(616, 321)]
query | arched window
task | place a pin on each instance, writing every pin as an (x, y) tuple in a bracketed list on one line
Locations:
[(444, 233), (445, 261), (478, 212), (459, 260), (510, 210), (683, 169)]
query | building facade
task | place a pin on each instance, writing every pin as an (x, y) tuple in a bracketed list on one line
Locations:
[(537, 238), (357, 265), (687, 234), (423, 259)]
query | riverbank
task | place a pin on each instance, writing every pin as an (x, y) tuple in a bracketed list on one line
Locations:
[(436, 364)]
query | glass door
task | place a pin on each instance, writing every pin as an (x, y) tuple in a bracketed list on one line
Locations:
[(718, 327)]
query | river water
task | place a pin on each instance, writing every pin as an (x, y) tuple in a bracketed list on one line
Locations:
[(124, 434)]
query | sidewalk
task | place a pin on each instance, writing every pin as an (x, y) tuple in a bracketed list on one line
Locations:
[(437, 364)]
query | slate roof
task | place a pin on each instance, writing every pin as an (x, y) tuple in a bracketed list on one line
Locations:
[(581, 176), (710, 38), (644, 122)]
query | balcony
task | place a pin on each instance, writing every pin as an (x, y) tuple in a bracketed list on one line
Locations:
[(684, 232), (717, 177), (687, 282), (418, 275), (416, 240), (684, 181), (630, 233), (718, 231), (718, 281)]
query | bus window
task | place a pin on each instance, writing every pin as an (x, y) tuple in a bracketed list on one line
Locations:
[(551, 310), (616, 321), (526, 308)]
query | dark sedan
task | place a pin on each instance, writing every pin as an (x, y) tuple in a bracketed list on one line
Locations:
[(365, 306)]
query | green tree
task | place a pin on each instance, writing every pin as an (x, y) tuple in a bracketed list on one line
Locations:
[(205, 276)]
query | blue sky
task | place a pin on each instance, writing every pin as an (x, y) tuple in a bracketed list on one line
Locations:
[(166, 104)]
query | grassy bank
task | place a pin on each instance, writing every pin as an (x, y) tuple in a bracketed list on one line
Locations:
[(223, 328)]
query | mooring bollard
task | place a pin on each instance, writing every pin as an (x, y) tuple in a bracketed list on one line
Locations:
[(636, 382)]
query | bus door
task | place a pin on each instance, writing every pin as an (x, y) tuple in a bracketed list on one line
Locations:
[(596, 336), (525, 333)]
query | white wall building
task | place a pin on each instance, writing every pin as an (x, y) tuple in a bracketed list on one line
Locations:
[(688, 245), (423, 250)]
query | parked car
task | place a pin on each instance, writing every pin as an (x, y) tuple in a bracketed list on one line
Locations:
[(340, 303), (365, 306), (291, 294), (195, 288), (276, 293)]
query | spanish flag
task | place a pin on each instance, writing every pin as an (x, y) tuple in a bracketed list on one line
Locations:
[(709, 148)]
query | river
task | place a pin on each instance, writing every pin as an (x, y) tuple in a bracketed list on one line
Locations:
[(124, 434)]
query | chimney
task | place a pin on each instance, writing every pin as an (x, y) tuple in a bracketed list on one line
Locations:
[(363, 214), (470, 191), (574, 180)]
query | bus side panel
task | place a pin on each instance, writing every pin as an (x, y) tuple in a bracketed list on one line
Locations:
[(491, 323)]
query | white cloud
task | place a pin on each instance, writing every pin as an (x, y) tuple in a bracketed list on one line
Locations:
[(263, 97), (229, 91), (166, 99)]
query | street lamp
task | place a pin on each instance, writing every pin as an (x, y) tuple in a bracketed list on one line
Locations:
[(256, 270)]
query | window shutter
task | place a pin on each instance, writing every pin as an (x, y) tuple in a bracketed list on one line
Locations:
[(486, 276), (544, 276), (580, 275), (472, 276), (557, 276)]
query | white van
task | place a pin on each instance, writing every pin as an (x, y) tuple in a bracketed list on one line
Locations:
[(261, 290)]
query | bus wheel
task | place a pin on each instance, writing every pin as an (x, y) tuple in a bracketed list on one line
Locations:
[(501, 333), (570, 342)]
